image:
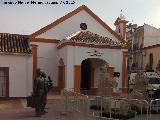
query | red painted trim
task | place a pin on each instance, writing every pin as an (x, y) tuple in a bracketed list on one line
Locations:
[(77, 77), (44, 40), (34, 62), (61, 77), (124, 69)]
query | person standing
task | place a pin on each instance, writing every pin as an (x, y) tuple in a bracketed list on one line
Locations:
[(45, 92), (39, 94)]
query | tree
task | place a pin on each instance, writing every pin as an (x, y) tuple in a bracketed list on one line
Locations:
[(158, 66)]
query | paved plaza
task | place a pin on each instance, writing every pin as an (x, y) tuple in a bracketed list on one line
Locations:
[(17, 110), (21, 112)]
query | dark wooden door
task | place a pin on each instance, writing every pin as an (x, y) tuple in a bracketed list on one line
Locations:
[(4, 82)]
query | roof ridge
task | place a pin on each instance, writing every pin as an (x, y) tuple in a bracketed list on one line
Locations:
[(72, 13), (90, 37), (15, 34)]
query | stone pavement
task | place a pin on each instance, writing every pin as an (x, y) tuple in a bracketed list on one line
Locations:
[(17, 110), (55, 112), (9, 104), (144, 117)]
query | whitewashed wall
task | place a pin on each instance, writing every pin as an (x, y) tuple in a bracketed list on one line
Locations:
[(49, 56), (47, 59), (76, 55), (67, 54), (111, 56), (63, 53), (119, 29), (151, 35), (72, 25), (20, 74)]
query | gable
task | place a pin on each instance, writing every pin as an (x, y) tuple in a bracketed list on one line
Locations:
[(70, 24)]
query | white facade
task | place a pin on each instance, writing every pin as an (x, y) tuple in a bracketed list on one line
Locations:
[(75, 55), (72, 25), (47, 59), (20, 74), (151, 35)]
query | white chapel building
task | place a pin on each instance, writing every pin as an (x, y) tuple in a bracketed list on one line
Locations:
[(71, 50)]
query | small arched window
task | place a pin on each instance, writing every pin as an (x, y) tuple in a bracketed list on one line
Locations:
[(151, 59)]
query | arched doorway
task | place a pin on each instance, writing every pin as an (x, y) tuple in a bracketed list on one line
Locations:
[(85, 75), (90, 70)]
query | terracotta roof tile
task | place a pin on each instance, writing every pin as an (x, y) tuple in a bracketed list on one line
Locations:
[(14, 43), (91, 38)]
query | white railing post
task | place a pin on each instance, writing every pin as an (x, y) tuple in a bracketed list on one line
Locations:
[(147, 106), (156, 100)]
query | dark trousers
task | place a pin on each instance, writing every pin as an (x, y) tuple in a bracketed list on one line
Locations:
[(44, 101), (39, 102)]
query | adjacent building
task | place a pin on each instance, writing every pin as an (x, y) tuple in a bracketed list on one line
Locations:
[(15, 66), (144, 52)]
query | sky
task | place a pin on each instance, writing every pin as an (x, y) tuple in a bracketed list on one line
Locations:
[(28, 18)]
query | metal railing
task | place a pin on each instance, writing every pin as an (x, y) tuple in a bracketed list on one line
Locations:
[(74, 101), (157, 106)]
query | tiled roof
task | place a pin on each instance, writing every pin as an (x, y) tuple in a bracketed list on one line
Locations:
[(14, 43), (91, 38)]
